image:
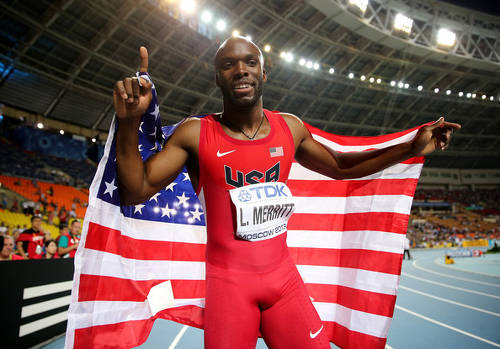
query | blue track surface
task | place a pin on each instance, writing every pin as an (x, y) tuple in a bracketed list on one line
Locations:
[(437, 307)]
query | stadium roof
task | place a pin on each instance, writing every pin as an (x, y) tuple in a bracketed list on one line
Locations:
[(61, 58)]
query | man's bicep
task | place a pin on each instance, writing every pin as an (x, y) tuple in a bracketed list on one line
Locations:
[(316, 157)]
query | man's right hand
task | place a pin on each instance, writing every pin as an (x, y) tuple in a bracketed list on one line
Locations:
[(129, 98)]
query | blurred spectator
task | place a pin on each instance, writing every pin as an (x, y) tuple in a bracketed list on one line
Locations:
[(406, 248), (15, 206), (68, 240), (3, 228), (7, 249), (51, 250), (30, 242)]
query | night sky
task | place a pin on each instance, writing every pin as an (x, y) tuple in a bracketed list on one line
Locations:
[(491, 7)]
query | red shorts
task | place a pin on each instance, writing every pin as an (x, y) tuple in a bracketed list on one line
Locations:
[(241, 305)]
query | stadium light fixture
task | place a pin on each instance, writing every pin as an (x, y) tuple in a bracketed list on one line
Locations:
[(473, 95), (436, 90), (39, 125), (407, 85), (469, 95), (309, 64), (351, 75), (446, 37), (235, 33), (491, 98), (220, 25), (401, 84), (302, 61), (420, 87), (316, 66), (359, 5), (460, 94), (372, 80), (206, 16), (331, 70), (94, 140), (448, 92), (483, 97), (267, 48), (393, 83), (379, 80), (187, 6), (362, 77), (403, 23), (61, 132), (287, 56)]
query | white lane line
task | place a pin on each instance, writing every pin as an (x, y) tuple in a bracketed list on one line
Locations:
[(447, 326), (178, 337), (454, 277), (448, 301), (465, 271), (449, 286)]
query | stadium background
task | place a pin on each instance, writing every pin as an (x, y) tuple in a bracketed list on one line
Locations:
[(340, 65)]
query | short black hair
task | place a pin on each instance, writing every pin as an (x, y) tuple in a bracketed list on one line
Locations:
[(35, 217)]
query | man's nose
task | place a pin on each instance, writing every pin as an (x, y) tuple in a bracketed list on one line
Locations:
[(241, 68)]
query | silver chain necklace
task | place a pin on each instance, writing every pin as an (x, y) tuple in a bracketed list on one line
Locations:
[(241, 130)]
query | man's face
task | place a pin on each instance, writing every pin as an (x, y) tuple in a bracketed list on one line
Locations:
[(8, 247), (36, 224), (75, 228), (239, 73)]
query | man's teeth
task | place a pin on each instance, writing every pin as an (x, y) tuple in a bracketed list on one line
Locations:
[(242, 86)]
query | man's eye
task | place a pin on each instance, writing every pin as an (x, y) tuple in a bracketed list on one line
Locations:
[(252, 62), (227, 65)]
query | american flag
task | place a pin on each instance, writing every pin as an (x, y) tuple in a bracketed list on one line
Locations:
[(346, 237)]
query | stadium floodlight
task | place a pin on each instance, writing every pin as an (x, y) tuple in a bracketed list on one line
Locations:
[(420, 87), (206, 16), (267, 48), (407, 85), (94, 140), (187, 6), (372, 80), (436, 90), (351, 75), (235, 33), (473, 95), (379, 80), (360, 5), (287, 56), (39, 125), (446, 37), (331, 70), (362, 77), (448, 92), (483, 97), (316, 66), (309, 64), (220, 25), (401, 84), (393, 83), (403, 23), (61, 132), (460, 94), (302, 61), (491, 98), (469, 95)]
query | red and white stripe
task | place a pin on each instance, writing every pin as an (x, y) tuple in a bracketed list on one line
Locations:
[(346, 238)]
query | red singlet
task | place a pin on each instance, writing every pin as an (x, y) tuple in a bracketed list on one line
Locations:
[(251, 287)]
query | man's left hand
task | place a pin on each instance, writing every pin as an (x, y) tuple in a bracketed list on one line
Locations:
[(432, 137)]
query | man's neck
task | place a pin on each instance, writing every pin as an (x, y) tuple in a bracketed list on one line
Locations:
[(244, 118)]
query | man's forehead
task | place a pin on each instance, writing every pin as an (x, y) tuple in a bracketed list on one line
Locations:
[(235, 46)]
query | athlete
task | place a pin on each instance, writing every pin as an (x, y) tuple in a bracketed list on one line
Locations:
[(238, 161)]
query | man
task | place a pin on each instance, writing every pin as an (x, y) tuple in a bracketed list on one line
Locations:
[(7, 251), (68, 240), (30, 242), (235, 159)]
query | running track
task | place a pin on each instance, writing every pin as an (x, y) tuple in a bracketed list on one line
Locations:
[(437, 307)]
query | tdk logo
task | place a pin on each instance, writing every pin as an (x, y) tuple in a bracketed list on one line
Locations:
[(269, 191), (244, 196)]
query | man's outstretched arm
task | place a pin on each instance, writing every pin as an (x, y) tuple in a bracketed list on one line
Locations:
[(139, 180), (314, 156)]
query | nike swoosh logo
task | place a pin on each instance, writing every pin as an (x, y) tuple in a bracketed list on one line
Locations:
[(219, 154), (315, 334)]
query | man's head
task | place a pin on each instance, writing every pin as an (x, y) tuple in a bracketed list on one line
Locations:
[(63, 228), (75, 227), (36, 223), (239, 72), (8, 247)]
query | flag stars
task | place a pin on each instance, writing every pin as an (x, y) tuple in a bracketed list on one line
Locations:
[(196, 214), (155, 197), (170, 186), (154, 147), (140, 127), (186, 176), (156, 112), (182, 199), (166, 211), (140, 147), (110, 188), (138, 208)]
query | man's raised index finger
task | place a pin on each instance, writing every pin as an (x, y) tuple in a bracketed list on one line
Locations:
[(144, 59)]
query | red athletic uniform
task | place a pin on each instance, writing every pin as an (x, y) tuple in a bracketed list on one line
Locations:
[(250, 286)]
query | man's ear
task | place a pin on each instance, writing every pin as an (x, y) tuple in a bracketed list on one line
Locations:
[(264, 75)]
